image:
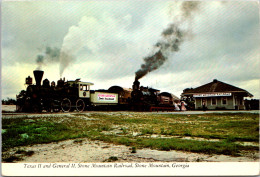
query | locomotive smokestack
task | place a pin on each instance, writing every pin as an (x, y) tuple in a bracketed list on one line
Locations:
[(136, 84), (38, 76)]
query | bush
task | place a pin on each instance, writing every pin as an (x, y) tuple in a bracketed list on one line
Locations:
[(112, 159), (133, 150)]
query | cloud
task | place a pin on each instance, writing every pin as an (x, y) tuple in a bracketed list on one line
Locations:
[(13, 83), (105, 35), (113, 38)]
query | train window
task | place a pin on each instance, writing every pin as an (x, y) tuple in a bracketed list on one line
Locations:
[(84, 87)]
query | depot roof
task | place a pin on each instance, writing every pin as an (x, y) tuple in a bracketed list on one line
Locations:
[(216, 86)]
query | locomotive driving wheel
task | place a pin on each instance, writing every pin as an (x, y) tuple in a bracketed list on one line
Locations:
[(80, 105), (66, 105)]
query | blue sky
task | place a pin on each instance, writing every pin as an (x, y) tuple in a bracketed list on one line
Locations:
[(107, 41)]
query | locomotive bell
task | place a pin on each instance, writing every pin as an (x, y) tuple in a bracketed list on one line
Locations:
[(38, 76)]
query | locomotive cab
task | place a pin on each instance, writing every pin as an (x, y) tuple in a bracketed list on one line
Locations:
[(82, 87)]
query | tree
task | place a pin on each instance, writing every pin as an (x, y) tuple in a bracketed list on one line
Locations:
[(8, 101)]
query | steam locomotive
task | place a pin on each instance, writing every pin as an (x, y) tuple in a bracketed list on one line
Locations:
[(141, 98), (66, 96), (76, 95)]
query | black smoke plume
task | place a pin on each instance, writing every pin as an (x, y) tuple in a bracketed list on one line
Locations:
[(50, 55), (172, 37)]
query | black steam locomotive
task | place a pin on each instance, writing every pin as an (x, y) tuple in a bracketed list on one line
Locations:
[(76, 95), (141, 98), (66, 96)]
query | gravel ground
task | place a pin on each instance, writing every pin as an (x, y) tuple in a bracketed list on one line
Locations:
[(82, 150)]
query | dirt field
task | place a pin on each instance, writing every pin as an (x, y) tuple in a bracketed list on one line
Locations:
[(98, 151), (8, 108), (108, 145)]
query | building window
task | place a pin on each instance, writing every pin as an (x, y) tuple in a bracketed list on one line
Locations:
[(224, 100), (213, 101), (203, 101)]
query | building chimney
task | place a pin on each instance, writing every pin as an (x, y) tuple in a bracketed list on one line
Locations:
[(38, 76)]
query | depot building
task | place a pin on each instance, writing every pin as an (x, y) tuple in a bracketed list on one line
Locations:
[(217, 95)]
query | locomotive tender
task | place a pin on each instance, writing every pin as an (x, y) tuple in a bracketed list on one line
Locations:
[(76, 95)]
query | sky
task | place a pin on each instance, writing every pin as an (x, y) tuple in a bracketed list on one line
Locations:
[(106, 42)]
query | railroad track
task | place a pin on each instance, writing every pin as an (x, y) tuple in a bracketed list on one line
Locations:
[(43, 113)]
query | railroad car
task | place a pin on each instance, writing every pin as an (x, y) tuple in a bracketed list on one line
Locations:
[(124, 96)]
